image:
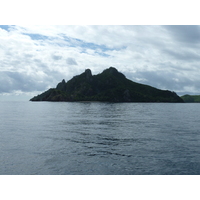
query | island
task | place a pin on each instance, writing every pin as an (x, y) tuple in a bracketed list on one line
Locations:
[(191, 98), (108, 86)]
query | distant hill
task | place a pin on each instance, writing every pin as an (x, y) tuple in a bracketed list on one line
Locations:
[(191, 98), (108, 86)]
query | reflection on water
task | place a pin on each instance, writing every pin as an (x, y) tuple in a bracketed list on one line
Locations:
[(99, 138)]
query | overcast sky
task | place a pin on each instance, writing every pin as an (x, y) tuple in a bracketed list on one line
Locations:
[(35, 58)]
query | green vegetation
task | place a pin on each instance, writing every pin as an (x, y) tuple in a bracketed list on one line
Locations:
[(191, 98), (110, 85)]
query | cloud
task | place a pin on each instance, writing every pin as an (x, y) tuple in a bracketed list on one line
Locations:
[(56, 57), (33, 58), (71, 61), (185, 34), (11, 81), (184, 55)]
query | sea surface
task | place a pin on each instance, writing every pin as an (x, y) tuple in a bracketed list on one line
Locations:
[(94, 138)]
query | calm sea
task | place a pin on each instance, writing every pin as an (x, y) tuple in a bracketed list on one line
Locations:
[(99, 138)]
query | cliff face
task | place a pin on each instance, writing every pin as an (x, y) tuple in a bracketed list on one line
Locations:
[(110, 85)]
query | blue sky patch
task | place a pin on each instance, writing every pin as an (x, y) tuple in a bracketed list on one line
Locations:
[(99, 49), (5, 27), (36, 36)]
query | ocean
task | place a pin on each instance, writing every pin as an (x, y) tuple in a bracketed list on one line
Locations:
[(96, 138)]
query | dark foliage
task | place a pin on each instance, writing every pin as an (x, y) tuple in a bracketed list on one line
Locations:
[(191, 98), (110, 85)]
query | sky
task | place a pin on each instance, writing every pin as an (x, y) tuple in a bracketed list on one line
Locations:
[(35, 58)]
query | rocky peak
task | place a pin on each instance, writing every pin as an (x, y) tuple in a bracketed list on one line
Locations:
[(112, 70), (61, 85), (88, 74)]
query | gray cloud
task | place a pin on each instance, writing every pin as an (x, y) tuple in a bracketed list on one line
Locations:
[(185, 34), (167, 80), (56, 57), (11, 81), (185, 55), (71, 61)]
